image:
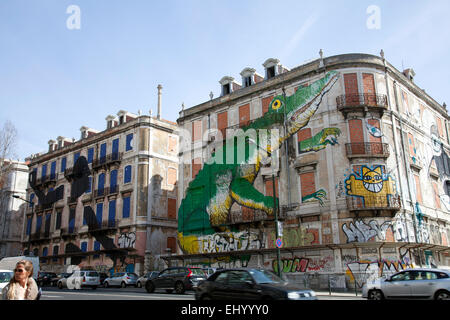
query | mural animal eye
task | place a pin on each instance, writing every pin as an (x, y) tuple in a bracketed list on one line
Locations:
[(276, 104)]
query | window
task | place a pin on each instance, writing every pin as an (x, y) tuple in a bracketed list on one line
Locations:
[(115, 149), (90, 157), (89, 189), (127, 174), (101, 184), (75, 157), (222, 123), (171, 244), (53, 170), (238, 277), (196, 130), (222, 277), (247, 81), (302, 136), (171, 176), (308, 185), (28, 226), (126, 207), (270, 72), (196, 166), (44, 171), (269, 187), (72, 220), (112, 213), (58, 220), (45, 252), (103, 153), (63, 164), (84, 246), (226, 89), (38, 224), (129, 142), (99, 213), (172, 208), (113, 181)]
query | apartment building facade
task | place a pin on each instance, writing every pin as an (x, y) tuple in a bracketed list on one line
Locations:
[(362, 188), (106, 201), (14, 178)]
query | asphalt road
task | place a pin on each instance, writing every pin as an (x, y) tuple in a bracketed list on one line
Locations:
[(131, 293)]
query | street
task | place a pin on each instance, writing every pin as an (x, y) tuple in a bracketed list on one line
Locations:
[(131, 293)]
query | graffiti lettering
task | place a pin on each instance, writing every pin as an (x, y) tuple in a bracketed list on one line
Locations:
[(127, 240), (362, 232)]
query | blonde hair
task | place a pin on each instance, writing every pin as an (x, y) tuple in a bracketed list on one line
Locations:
[(28, 265)]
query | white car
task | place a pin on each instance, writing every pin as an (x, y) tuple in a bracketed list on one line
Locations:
[(5, 276), (80, 279), (418, 283)]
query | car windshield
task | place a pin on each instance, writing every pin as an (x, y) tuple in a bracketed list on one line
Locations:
[(5, 276), (265, 276)]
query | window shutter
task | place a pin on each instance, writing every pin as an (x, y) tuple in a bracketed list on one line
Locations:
[(129, 142), (127, 175), (126, 207)]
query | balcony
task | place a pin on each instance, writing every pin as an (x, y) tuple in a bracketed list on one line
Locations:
[(246, 215), (68, 232), (110, 159), (378, 203), (40, 236), (367, 150), (366, 102), (104, 226)]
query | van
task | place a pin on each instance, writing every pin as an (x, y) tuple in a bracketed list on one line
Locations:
[(9, 263)]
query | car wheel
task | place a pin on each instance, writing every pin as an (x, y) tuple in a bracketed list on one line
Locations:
[(179, 287), (442, 295), (376, 295), (123, 284), (106, 284), (150, 287), (60, 285)]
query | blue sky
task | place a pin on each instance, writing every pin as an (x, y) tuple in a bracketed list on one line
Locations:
[(54, 80)]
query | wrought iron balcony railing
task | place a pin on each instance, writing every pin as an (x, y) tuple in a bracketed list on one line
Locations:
[(107, 160), (367, 149), (246, 215), (362, 102), (374, 203)]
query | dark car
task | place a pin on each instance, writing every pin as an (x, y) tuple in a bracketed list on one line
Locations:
[(103, 276), (250, 284), (45, 278), (179, 279)]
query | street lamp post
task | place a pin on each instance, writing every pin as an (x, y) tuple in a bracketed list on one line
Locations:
[(32, 214)]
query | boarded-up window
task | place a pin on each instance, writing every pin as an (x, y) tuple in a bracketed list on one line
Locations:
[(172, 208), (196, 130), (265, 104), (222, 123), (351, 89), (308, 184), (412, 148), (244, 115), (302, 135), (171, 176), (418, 189), (405, 102), (172, 144), (172, 244), (437, 200), (196, 166), (269, 187), (356, 136), (369, 89)]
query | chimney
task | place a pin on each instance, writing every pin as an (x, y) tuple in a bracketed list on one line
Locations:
[(159, 101)]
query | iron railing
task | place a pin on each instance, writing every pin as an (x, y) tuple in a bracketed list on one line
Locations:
[(367, 149), (247, 215), (365, 99), (374, 203)]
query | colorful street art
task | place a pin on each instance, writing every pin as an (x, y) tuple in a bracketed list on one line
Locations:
[(372, 186), (318, 195), (320, 140), (296, 264), (359, 231), (219, 184), (295, 237)]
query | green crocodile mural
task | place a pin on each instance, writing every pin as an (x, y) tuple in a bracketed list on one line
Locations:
[(223, 181)]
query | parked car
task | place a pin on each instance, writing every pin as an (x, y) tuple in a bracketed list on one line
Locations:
[(5, 276), (210, 271), (80, 279), (417, 283), (149, 275), (62, 281), (179, 279), (45, 278), (58, 277), (103, 277), (122, 279), (250, 284)]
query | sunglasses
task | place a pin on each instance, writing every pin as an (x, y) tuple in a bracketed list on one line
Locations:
[(19, 270)]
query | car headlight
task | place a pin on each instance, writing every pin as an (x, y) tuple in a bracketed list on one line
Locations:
[(293, 295)]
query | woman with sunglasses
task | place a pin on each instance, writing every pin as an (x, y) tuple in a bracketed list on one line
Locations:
[(22, 286)]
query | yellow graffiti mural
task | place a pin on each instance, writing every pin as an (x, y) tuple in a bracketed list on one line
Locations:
[(372, 187)]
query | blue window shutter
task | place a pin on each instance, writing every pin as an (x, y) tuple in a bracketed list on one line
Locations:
[(115, 149), (44, 170), (96, 246), (72, 220), (99, 213), (47, 222), (127, 175), (84, 246), (101, 183), (63, 164), (28, 226), (90, 155), (126, 207), (38, 224), (129, 145), (103, 153), (53, 170), (112, 213), (45, 252), (113, 182), (75, 157), (31, 199)]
